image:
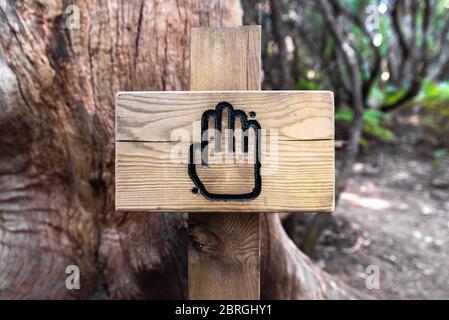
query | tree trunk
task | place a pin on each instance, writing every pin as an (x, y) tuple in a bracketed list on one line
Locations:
[(287, 273), (57, 88), (57, 144)]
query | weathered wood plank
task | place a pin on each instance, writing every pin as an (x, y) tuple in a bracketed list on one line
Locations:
[(225, 59), (153, 116), (223, 260), (146, 179)]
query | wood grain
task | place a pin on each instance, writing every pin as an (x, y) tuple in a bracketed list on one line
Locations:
[(225, 58), (223, 258), (214, 274), (146, 179), (153, 116)]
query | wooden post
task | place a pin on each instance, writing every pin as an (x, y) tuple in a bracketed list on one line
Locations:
[(154, 171), (224, 254)]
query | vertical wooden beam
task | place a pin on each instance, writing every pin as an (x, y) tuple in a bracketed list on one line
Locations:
[(224, 252)]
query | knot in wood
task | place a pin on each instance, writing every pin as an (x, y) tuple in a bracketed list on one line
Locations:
[(206, 241)]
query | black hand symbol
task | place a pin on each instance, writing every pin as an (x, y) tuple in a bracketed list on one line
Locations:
[(217, 115)]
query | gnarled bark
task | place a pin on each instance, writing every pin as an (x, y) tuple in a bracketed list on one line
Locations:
[(287, 273), (57, 93), (57, 88)]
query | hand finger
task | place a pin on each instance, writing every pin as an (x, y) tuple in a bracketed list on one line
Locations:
[(241, 116), (225, 123), (207, 128), (254, 141)]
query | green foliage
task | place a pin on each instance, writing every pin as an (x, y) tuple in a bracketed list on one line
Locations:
[(385, 95), (440, 153), (393, 95), (431, 94), (434, 93), (438, 156), (344, 114), (317, 50), (270, 48), (306, 84), (434, 99), (330, 47), (429, 122), (373, 124)]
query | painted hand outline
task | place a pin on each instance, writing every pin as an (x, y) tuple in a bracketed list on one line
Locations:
[(247, 125)]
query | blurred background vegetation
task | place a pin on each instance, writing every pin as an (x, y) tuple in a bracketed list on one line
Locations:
[(376, 56), (387, 62)]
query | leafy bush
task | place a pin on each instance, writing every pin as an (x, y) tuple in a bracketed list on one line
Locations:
[(434, 99), (438, 156), (373, 124), (432, 93)]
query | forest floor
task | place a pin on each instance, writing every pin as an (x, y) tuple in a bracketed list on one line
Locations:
[(394, 214)]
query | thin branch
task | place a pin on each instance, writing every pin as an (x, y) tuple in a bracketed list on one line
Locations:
[(420, 69), (351, 63), (276, 16), (376, 66), (403, 47)]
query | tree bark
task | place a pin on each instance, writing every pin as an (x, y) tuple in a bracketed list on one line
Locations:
[(287, 273), (57, 89), (57, 92)]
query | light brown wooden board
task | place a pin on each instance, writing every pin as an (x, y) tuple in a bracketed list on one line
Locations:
[(153, 116), (147, 180)]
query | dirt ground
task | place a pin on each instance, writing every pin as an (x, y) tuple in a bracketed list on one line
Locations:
[(394, 214)]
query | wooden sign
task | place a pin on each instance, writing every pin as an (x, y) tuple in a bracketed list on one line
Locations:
[(161, 165), (160, 134)]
